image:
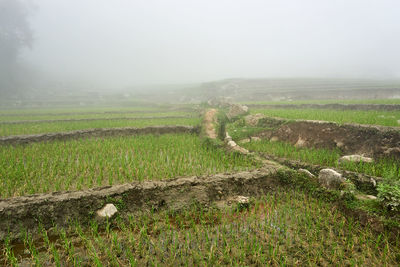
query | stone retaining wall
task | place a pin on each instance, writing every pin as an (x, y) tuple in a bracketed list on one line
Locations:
[(374, 141), (62, 208)]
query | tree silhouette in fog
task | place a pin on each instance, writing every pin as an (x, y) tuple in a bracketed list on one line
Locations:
[(15, 34)]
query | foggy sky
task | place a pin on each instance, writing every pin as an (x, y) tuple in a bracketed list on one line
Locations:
[(127, 42)]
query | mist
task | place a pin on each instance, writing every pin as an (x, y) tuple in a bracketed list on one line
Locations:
[(122, 43)]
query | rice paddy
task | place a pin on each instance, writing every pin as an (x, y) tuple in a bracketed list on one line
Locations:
[(285, 227), (385, 167), (50, 127), (86, 163), (371, 117)]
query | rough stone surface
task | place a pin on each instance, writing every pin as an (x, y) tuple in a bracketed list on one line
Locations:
[(363, 182), (355, 158), (307, 172), (60, 208), (108, 211), (365, 197), (126, 131), (252, 120), (368, 140), (330, 179), (236, 110)]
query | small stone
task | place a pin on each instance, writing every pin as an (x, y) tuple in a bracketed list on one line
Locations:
[(242, 201), (255, 139), (300, 142), (355, 158), (307, 172), (244, 141), (232, 143), (274, 139), (107, 211), (236, 110), (252, 120), (330, 179), (365, 197)]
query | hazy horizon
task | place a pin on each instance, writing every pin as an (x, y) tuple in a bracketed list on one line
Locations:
[(126, 43)]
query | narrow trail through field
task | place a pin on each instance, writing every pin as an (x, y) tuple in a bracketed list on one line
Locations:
[(209, 123)]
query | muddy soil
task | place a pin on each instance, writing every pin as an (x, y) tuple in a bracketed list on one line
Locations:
[(372, 141), (100, 132), (385, 107), (61, 208)]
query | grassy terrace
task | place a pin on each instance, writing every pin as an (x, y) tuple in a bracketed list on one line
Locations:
[(284, 228), (86, 110), (86, 163), (383, 168), (49, 127), (137, 114), (332, 101), (385, 118)]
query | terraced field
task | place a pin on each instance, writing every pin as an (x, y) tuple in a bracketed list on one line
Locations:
[(288, 224)]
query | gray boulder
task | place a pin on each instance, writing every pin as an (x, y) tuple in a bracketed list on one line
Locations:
[(236, 110), (355, 158), (330, 179), (252, 120)]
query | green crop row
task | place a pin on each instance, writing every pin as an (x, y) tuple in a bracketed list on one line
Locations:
[(49, 127), (137, 114), (374, 117), (388, 168), (283, 228), (90, 109), (86, 163), (331, 101)]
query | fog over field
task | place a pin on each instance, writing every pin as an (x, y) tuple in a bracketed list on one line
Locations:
[(129, 42), (119, 44)]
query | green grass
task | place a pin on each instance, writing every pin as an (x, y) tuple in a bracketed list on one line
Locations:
[(385, 118), (50, 127), (86, 163), (138, 114), (330, 101), (283, 228), (388, 168)]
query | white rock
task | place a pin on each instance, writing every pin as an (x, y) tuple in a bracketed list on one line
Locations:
[(365, 197), (274, 139), (330, 179), (232, 144), (307, 172), (255, 139), (107, 211), (355, 158)]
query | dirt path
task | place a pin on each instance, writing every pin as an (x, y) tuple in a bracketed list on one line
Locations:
[(209, 123)]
